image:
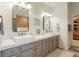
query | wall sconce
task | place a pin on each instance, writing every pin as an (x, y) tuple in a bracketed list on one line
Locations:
[(24, 5)]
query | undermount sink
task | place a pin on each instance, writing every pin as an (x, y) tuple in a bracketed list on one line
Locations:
[(23, 38), (46, 35)]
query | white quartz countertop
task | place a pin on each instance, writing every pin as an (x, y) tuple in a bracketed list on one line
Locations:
[(18, 41)]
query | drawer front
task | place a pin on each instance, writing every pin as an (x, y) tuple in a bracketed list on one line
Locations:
[(46, 44), (28, 53), (45, 40), (27, 46), (39, 51), (10, 52), (39, 43), (16, 55)]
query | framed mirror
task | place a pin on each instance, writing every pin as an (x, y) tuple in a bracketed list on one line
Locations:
[(46, 23), (1, 24), (20, 18)]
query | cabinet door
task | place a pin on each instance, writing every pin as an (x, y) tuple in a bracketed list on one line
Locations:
[(28, 53), (51, 45), (54, 44), (39, 51), (45, 49), (45, 52), (0, 54), (57, 41)]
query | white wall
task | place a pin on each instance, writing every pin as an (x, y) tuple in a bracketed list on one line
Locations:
[(61, 13), (6, 12)]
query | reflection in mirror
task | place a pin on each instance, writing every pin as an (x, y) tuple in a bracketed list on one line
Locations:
[(1, 25), (22, 23), (20, 19)]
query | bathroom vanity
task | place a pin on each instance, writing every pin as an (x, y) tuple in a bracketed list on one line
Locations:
[(40, 47)]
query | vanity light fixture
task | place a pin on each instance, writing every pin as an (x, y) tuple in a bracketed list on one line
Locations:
[(46, 13), (28, 6), (24, 5)]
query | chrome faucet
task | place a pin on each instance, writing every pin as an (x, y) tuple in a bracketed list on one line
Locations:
[(38, 31)]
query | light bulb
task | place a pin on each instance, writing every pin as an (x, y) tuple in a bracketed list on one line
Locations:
[(28, 6), (22, 4), (48, 14)]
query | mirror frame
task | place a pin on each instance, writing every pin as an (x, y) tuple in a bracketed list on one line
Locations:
[(1, 25), (44, 23), (14, 28)]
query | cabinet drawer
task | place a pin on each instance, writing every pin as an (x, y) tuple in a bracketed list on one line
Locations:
[(28, 53), (45, 44), (39, 43), (16, 55), (10, 52), (55, 37), (45, 48), (45, 40), (27, 46)]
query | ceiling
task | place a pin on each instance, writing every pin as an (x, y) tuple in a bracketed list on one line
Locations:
[(52, 5)]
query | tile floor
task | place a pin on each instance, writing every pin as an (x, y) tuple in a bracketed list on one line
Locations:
[(61, 53)]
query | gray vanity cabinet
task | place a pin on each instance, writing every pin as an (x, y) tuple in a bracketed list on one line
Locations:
[(11, 52), (28, 50), (39, 50), (45, 47)]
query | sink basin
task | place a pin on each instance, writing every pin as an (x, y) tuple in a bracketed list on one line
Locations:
[(6, 42), (47, 35), (25, 38), (41, 36)]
